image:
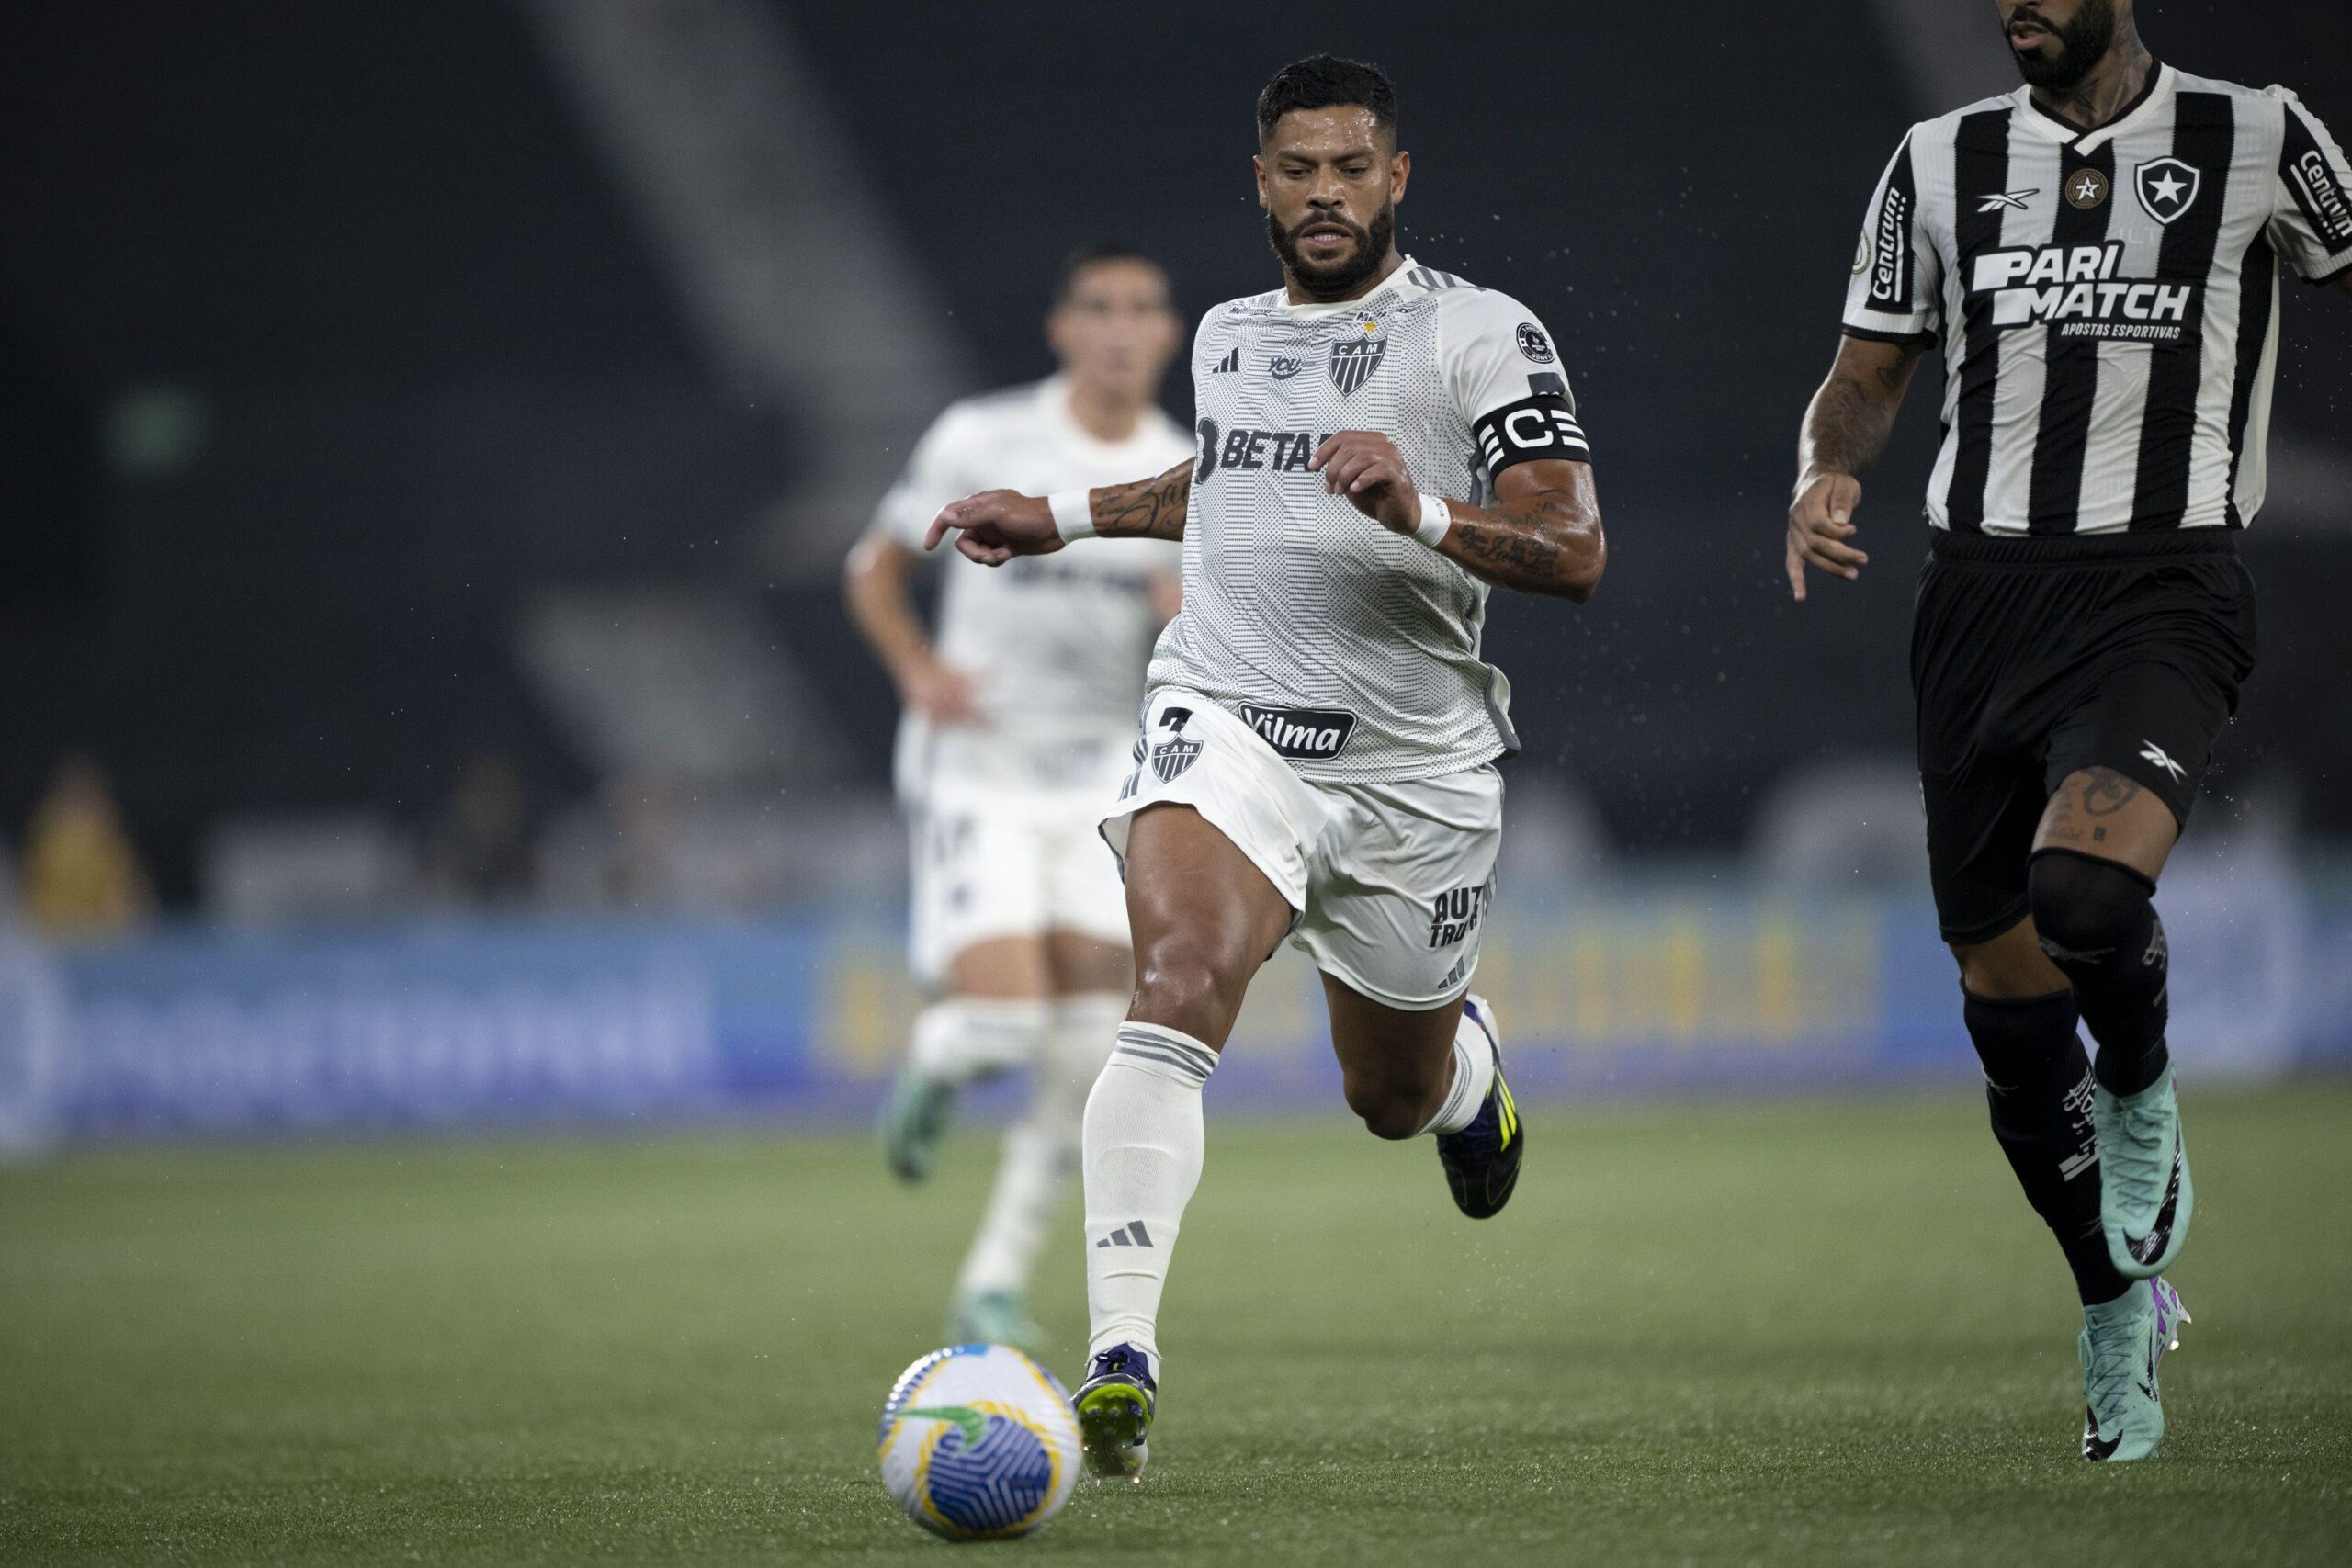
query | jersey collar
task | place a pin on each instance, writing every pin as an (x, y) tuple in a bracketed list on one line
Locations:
[(2156, 97), (1391, 288)]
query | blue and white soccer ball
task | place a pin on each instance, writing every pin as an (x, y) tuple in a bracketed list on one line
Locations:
[(978, 1443)]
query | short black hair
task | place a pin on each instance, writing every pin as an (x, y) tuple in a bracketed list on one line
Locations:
[(1326, 81), (1094, 252)]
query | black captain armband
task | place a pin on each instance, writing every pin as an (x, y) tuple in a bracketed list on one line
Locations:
[(1535, 428)]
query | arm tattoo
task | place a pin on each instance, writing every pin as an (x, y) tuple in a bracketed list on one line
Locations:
[(2107, 792), (1148, 509), (1851, 416), (1544, 543)]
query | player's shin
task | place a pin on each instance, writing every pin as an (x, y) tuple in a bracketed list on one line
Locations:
[(2099, 924), (2038, 1086), (1040, 1154), (1143, 1151)]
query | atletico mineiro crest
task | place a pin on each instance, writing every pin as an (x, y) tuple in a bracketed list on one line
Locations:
[(1356, 355), (1173, 755)]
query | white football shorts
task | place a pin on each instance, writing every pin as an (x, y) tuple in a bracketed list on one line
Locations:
[(1391, 881), (993, 863)]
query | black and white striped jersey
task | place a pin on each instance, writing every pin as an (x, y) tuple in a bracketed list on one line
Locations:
[(2107, 300)]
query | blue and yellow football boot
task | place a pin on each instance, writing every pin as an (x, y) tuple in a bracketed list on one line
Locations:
[(1114, 1407), (1482, 1160)]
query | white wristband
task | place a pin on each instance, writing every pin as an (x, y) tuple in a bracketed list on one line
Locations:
[(1437, 517), (1074, 513)]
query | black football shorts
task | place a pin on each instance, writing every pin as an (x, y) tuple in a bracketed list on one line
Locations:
[(2033, 658)]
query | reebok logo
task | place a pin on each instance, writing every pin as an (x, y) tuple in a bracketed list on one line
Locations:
[(2152, 752), (1132, 1234)]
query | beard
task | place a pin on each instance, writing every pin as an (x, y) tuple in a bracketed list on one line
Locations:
[(2083, 43), (1344, 276)]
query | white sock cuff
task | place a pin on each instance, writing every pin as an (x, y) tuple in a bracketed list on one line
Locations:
[(1473, 1076), (964, 1035), (1166, 1052)]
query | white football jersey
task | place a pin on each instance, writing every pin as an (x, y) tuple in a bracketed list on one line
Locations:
[(1354, 650), (1058, 644)]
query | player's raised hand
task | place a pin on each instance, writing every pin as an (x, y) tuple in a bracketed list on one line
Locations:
[(1366, 467), (996, 526), (1821, 520)]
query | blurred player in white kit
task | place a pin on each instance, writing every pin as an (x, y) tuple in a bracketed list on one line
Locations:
[(1020, 712)]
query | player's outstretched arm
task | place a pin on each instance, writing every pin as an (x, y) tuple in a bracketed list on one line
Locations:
[(1539, 535), (1846, 427), (998, 524)]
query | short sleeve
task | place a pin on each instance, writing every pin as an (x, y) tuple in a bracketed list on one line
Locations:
[(2310, 223), (1506, 378), (1892, 296), (934, 475)]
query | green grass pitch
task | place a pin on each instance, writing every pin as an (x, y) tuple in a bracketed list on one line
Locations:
[(1815, 1334)]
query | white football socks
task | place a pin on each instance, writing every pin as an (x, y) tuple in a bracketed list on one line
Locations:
[(1142, 1145), (1473, 1077), (963, 1038), (1041, 1146)]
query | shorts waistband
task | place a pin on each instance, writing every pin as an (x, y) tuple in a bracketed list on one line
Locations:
[(2079, 549)]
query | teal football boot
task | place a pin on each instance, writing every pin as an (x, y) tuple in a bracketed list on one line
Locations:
[(2122, 1341), (915, 1122), (993, 1317), (2144, 1196)]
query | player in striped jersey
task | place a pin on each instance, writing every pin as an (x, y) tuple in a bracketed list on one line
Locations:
[(2095, 255)]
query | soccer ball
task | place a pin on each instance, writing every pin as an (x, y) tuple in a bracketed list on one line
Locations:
[(978, 1443)]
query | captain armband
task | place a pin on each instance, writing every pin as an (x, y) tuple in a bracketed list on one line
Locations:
[(1533, 429)]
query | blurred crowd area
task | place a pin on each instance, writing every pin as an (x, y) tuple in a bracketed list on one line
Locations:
[(430, 434), (648, 847)]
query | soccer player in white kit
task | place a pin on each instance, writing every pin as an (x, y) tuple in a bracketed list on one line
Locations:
[(1018, 717), (1317, 748)]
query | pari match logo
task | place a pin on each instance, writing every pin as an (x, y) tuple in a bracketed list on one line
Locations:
[(978, 1443)]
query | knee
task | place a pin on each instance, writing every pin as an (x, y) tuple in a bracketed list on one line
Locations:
[(1185, 982), (2087, 910), (1387, 1112)]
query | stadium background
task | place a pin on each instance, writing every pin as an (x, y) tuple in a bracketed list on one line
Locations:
[(450, 902), (432, 432)]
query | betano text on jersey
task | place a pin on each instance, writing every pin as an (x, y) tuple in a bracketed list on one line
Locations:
[(1350, 650)]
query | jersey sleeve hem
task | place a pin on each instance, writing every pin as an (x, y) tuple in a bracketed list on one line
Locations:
[(2331, 269), (1872, 334)]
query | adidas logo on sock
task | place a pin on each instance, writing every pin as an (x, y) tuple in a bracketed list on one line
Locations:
[(1132, 1234), (1231, 362)]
